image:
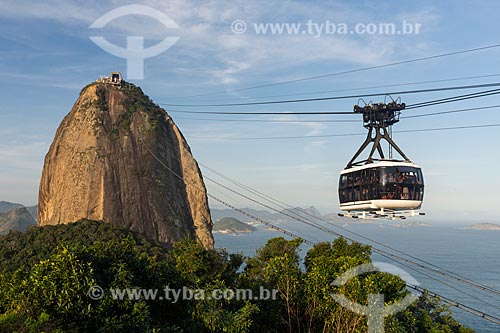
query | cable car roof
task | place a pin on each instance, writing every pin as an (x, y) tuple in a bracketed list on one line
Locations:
[(377, 164)]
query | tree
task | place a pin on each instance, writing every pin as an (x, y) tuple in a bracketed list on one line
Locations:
[(276, 267), (46, 273), (54, 293)]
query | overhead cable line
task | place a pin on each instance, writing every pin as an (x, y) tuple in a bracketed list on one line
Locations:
[(275, 121), (493, 319), (253, 217), (299, 218), (353, 89), (450, 302), (322, 228), (270, 199), (458, 305), (455, 99), (336, 120), (471, 310), (330, 231), (330, 98), (264, 112), (381, 253), (270, 225), (452, 111), (445, 100), (351, 70), (345, 134), (301, 214)]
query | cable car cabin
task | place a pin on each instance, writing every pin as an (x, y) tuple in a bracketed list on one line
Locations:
[(381, 186)]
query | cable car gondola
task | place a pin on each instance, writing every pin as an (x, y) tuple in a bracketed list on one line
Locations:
[(380, 187)]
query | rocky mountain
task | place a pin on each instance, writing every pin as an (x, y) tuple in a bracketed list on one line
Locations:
[(120, 158), (8, 206), (18, 219)]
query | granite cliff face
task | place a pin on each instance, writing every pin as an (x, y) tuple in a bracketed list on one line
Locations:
[(109, 161)]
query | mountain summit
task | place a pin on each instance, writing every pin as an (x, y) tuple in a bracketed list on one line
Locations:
[(110, 161)]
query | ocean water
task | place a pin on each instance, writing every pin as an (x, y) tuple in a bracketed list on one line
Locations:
[(473, 254)]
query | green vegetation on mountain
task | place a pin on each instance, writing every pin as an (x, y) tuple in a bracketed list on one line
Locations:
[(232, 225), (46, 273)]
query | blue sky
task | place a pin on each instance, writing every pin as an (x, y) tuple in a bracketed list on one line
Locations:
[(46, 57)]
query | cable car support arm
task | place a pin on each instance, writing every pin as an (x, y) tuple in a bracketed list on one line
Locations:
[(378, 117)]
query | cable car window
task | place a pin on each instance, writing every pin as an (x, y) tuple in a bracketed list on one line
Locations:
[(343, 182), (374, 192), (420, 177), (405, 193), (387, 175), (373, 176), (349, 180), (365, 178), (386, 183)]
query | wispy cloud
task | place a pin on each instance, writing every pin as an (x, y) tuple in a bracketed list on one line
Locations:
[(223, 57), (53, 10)]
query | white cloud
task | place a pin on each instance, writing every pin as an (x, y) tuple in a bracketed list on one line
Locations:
[(54, 10), (226, 58)]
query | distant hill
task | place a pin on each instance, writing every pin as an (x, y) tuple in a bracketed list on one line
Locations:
[(218, 214), (229, 225), (410, 224), (305, 212), (18, 219), (484, 226), (8, 206)]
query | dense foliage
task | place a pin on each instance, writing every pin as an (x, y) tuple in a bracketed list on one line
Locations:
[(46, 274)]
